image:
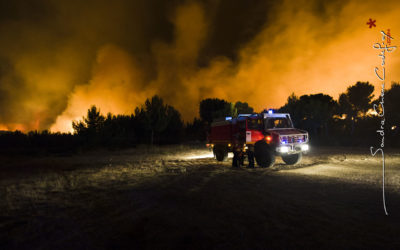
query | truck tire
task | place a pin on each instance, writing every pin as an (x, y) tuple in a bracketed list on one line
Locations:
[(220, 152), (292, 159), (264, 155)]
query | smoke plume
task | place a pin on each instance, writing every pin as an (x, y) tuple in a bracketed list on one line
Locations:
[(57, 58)]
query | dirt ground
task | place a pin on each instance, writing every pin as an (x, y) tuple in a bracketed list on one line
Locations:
[(181, 198)]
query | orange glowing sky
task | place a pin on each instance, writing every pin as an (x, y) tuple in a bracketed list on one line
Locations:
[(115, 55)]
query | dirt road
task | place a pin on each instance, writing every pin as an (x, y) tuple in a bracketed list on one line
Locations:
[(182, 198)]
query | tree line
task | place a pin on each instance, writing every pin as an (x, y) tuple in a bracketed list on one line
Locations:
[(348, 121), (351, 120)]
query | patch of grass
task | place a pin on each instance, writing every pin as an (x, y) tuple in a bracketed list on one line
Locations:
[(152, 198)]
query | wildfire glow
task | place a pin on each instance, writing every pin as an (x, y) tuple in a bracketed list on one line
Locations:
[(299, 49)]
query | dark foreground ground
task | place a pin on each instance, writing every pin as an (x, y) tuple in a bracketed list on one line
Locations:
[(180, 198)]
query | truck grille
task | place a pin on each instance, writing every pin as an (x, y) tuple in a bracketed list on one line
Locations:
[(293, 139)]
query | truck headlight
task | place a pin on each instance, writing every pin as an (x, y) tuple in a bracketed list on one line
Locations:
[(282, 149), (304, 147)]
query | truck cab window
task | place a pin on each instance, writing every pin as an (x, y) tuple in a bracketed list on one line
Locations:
[(254, 124), (278, 122)]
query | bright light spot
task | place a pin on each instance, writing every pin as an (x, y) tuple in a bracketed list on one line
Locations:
[(200, 156), (324, 170), (270, 111), (282, 149), (342, 117), (304, 147), (372, 112), (394, 127)]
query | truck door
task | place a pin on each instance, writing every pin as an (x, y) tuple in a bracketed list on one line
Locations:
[(241, 136)]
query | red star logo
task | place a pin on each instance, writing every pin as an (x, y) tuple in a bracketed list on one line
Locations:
[(371, 23)]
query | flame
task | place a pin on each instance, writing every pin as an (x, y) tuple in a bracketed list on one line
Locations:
[(308, 56), (3, 127), (114, 88), (13, 127)]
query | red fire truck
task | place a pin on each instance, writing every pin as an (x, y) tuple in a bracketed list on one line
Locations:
[(264, 136)]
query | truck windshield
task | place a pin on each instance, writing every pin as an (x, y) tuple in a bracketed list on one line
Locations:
[(278, 122)]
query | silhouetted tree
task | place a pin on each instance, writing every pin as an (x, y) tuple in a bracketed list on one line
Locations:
[(345, 107), (36, 143), (91, 124), (360, 97), (174, 129), (215, 108), (156, 117), (392, 104), (243, 108), (356, 102), (292, 107), (392, 114), (153, 116), (118, 131), (195, 131), (311, 112)]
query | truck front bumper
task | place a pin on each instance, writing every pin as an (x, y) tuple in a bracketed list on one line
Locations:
[(292, 148)]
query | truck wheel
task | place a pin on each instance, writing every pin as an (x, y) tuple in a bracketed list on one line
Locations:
[(264, 155), (292, 159), (221, 153)]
